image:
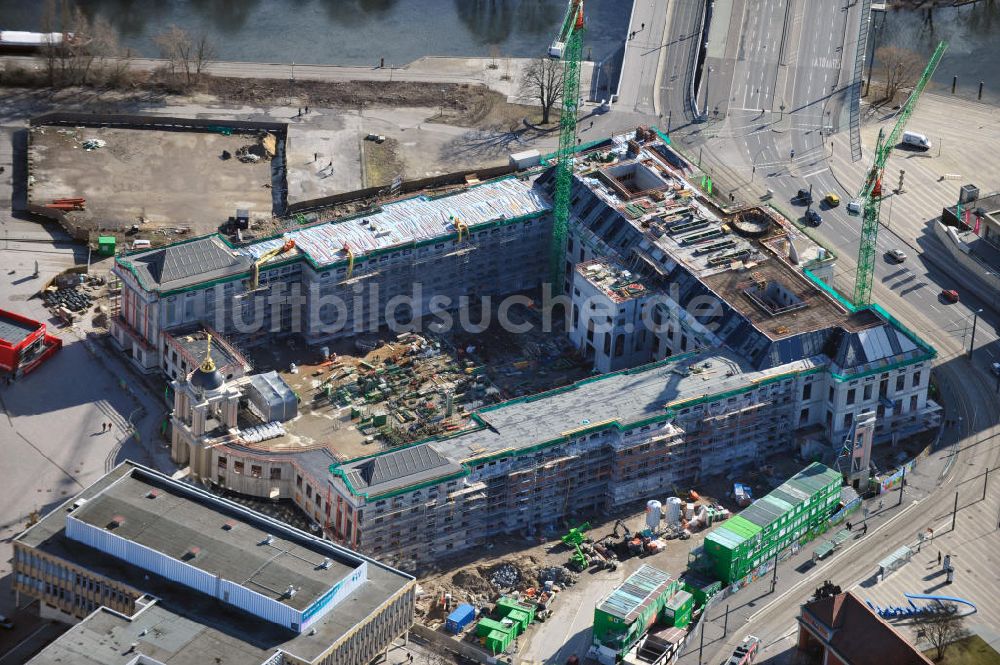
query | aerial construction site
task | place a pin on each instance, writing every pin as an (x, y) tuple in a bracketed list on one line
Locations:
[(572, 382)]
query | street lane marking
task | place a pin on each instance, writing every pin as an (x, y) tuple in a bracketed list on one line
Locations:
[(822, 570), (817, 172)]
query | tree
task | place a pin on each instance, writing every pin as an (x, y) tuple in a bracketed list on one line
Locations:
[(542, 81), (175, 47), (184, 54), (902, 68), (204, 53), (941, 628)]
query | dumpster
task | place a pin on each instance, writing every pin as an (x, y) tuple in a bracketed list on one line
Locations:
[(106, 245)]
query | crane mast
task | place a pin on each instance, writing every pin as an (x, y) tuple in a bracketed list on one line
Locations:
[(871, 193), (571, 37)]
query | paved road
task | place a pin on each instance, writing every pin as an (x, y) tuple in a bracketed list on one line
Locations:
[(643, 57), (750, 143), (683, 37)]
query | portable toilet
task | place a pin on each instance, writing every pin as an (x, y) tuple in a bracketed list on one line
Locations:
[(106, 245)]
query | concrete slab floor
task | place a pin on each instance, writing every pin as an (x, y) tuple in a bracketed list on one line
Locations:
[(175, 179)]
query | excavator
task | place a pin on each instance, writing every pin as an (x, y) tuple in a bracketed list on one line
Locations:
[(629, 544), (264, 258)]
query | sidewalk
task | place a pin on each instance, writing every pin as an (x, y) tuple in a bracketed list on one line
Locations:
[(505, 78), (973, 545)]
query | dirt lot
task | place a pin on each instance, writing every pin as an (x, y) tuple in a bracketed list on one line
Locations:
[(158, 179)]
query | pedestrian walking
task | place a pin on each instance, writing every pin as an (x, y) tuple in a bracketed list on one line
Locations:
[(848, 526), (307, 110), (104, 428), (591, 124), (939, 557), (643, 26), (315, 156), (299, 114)]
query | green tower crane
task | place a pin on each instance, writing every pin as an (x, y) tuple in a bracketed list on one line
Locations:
[(871, 192), (571, 37)]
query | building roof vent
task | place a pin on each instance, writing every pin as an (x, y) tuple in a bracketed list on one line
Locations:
[(228, 525), (268, 539), (290, 591), (116, 521), (191, 553), (152, 494), (327, 562)]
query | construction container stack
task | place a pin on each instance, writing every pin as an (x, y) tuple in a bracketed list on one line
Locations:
[(623, 617), (514, 617), (772, 523)]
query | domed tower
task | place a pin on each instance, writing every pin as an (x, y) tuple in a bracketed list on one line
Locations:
[(204, 406), (207, 378)]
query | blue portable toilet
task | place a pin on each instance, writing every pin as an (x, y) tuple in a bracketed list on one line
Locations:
[(460, 618)]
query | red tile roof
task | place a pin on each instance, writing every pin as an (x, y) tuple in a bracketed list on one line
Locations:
[(860, 636)]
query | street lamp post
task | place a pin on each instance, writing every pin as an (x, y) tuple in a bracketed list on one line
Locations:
[(972, 342)]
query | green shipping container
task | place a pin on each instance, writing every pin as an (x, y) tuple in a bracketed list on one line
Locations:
[(677, 611), (773, 522), (625, 614), (106, 245), (497, 641)]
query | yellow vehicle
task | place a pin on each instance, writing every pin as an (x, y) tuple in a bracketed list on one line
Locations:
[(832, 200)]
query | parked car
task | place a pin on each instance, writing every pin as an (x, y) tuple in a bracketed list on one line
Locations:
[(832, 200), (6, 623), (804, 197), (854, 207), (950, 295), (813, 217), (896, 255), (996, 368)]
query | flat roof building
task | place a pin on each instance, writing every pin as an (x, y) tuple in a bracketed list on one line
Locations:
[(24, 344), (220, 576)]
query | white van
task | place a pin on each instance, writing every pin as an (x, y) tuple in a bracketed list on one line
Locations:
[(140, 244), (915, 140)]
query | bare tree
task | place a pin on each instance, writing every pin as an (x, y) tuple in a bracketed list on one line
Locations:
[(113, 60), (542, 81), (942, 628), (50, 50), (185, 55), (901, 68), (79, 47), (204, 53), (176, 48)]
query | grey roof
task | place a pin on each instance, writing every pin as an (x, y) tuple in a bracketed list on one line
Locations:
[(625, 397), (228, 542), (854, 349), (186, 627), (399, 468), (186, 264), (14, 331), (192, 340)]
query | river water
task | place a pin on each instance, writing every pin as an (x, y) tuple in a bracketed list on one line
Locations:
[(348, 32), (973, 36), (360, 32)]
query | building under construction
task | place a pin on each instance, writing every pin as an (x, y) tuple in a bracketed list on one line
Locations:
[(743, 350), (338, 279)]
